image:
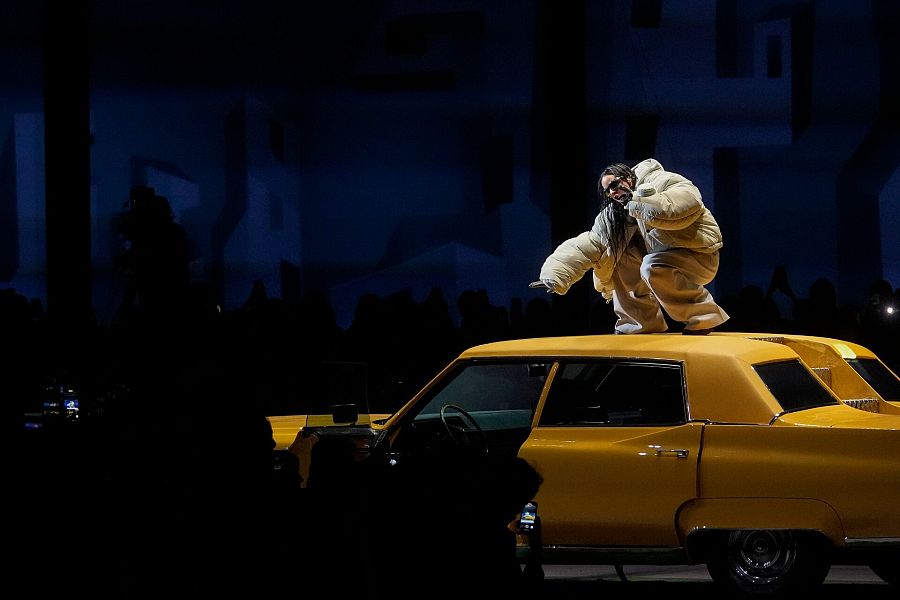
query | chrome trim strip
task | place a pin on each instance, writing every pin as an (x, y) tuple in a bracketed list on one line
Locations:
[(872, 542)]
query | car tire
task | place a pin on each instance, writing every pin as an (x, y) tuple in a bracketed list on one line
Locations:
[(758, 562), (887, 570)]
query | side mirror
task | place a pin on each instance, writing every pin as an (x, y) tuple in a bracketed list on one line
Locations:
[(344, 413)]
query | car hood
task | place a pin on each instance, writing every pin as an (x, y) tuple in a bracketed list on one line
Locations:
[(841, 416)]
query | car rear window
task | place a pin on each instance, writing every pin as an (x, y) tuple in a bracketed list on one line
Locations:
[(794, 386), (878, 376), (610, 393)]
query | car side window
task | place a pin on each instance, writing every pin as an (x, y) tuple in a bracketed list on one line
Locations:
[(610, 393), (878, 376), (793, 385)]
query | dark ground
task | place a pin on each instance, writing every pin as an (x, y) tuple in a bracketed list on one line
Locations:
[(582, 582)]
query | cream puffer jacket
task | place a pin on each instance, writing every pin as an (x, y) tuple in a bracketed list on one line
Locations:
[(669, 213)]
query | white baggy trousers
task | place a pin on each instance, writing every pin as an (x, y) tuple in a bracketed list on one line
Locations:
[(672, 280)]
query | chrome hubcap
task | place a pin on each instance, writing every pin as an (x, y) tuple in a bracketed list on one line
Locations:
[(761, 557)]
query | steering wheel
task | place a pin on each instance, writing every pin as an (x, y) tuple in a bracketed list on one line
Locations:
[(469, 436)]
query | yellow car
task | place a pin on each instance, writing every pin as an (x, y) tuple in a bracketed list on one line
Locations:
[(721, 450)]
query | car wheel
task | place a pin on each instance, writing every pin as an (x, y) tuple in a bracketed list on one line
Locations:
[(760, 562), (888, 570)]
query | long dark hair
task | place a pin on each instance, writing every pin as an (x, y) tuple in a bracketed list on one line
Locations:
[(618, 216)]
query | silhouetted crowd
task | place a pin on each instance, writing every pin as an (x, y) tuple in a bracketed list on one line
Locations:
[(141, 457)]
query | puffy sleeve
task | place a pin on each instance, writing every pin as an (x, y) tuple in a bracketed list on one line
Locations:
[(587, 251), (571, 260), (677, 206)]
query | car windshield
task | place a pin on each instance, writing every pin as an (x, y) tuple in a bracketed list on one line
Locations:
[(878, 376), (794, 386)]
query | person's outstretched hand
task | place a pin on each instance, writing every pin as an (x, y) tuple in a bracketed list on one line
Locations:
[(549, 284)]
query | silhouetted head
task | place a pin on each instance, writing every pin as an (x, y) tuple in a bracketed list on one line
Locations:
[(141, 196)]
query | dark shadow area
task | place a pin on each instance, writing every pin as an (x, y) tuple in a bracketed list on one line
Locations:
[(142, 456)]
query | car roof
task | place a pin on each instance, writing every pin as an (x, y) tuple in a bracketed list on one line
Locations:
[(672, 346), (845, 349)]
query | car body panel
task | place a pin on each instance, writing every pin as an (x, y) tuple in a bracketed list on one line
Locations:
[(625, 489), (800, 460), (285, 428), (728, 513), (839, 416)]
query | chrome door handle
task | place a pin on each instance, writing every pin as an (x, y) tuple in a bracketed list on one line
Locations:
[(676, 452)]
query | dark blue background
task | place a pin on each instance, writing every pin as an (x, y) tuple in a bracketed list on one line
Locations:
[(369, 147)]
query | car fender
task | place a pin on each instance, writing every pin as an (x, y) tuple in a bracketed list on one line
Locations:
[(706, 514)]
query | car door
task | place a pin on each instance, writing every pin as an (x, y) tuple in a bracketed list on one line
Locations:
[(616, 453)]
